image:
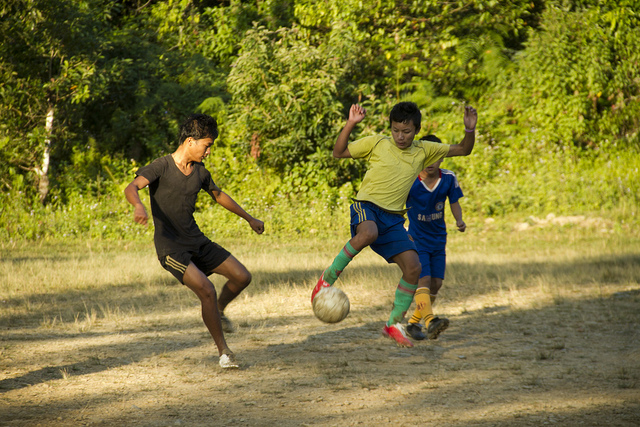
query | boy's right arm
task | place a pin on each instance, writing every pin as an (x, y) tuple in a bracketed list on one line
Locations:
[(131, 193), (341, 149)]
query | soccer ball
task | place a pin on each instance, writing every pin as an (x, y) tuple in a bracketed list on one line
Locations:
[(331, 305)]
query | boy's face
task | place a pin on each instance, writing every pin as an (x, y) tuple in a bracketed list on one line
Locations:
[(432, 169), (403, 133), (200, 148)]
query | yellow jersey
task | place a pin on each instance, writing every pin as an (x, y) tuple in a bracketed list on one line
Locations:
[(392, 170)]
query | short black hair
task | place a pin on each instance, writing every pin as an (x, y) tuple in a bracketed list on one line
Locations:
[(198, 126), (403, 112), (431, 138)]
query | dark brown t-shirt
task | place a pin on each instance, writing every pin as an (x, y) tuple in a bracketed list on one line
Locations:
[(173, 201)]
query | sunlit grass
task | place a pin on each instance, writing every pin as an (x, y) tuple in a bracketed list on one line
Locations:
[(79, 285), (532, 312)]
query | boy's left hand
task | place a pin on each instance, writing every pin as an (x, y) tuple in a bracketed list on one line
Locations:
[(257, 225), (461, 226), (470, 117)]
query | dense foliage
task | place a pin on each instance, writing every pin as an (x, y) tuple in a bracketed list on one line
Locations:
[(92, 89)]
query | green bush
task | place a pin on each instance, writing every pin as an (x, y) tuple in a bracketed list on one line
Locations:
[(499, 181)]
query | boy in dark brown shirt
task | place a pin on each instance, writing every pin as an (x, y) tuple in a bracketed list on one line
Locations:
[(174, 183)]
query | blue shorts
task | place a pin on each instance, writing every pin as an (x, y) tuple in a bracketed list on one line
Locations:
[(393, 238), (433, 262)]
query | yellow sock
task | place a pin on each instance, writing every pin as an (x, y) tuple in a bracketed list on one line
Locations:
[(423, 307), (432, 297)]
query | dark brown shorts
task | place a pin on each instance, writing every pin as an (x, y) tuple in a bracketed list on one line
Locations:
[(207, 258)]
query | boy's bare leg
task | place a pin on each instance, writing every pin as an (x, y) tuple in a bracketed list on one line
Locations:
[(200, 284), (409, 263), (366, 234), (425, 282), (238, 279), (436, 284)]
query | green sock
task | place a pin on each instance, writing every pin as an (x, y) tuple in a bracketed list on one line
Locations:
[(404, 296), (339, 263)]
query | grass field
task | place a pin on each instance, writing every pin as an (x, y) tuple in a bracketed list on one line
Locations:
[(544, 331)]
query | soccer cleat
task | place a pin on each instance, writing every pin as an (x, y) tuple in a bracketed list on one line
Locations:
[(228, 361), (397, 333), (227, 326), (436, 327), (321, 284), (415, 330)]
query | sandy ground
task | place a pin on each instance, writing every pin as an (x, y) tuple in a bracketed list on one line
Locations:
[(574, 360)]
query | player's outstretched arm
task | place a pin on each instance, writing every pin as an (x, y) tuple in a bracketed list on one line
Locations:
[(466, 146), (131, 193), (231, 205), (356, 115), (456, 210)]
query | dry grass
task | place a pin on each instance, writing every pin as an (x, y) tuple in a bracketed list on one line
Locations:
[(544, 330)]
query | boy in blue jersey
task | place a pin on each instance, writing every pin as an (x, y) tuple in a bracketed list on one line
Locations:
[(425, 210), (377, 214)]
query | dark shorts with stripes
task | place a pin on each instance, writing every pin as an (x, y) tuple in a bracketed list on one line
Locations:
[(207, 258)]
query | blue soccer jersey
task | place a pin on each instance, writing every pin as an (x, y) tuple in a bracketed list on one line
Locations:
[(426, 210)]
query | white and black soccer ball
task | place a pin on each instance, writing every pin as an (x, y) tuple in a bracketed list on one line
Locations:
[(331, 305)]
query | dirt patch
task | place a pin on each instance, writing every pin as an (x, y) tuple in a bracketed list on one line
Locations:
[(571, 360), (544, 331)]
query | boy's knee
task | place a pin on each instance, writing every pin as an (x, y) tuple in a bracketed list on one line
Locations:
[(199, 283), (245, 279), (412, 269), (415, 269), (206, 292), (239, 279)]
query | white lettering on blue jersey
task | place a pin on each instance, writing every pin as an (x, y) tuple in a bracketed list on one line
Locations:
[(426, 210)]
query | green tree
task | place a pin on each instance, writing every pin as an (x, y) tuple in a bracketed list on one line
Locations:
[(48, 62), (285, 95), (578, 80), (85, 79), (404, 44)]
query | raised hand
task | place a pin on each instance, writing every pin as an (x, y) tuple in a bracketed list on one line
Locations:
[(357, 113), (470, 117)]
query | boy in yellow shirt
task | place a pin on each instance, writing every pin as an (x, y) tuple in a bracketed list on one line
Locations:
[(377, 214)]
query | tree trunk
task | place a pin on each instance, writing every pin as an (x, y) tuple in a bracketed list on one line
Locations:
[(43, 171)]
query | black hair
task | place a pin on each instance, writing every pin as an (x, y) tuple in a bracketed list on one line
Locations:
[(431, 138), (198, 126), (403, 112)]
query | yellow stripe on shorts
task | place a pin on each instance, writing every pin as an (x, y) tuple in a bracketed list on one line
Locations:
[(362, 216), (176, 265)]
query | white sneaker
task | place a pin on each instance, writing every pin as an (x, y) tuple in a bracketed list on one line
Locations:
[(228, 361)]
